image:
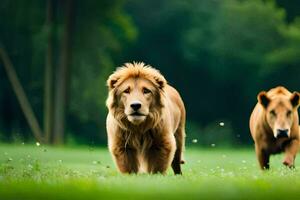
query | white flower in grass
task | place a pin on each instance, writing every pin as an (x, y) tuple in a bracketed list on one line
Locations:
[(96, 162)]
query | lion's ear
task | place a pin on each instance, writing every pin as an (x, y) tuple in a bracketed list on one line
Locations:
[(111, 82), (295, 99), (161, 81), (263, 99)]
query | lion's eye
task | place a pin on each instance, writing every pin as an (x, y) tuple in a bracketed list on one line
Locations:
[(289, 112), (146, 91), (272, 112), (127, 91)]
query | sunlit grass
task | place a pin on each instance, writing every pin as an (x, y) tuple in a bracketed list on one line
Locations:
[(39, 172)]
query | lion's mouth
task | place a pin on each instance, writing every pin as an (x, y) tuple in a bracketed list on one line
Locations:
[(136, 114)]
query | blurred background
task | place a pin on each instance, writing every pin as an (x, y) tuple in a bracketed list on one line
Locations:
[(55, 57)]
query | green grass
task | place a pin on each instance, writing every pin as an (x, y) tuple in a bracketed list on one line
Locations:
[(32, 172)]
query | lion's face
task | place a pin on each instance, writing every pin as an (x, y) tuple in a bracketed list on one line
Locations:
[(136, 96), (280, 113)]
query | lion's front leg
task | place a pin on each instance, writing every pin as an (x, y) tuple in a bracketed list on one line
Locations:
[(290, 153), (126, 159), (160, 155)]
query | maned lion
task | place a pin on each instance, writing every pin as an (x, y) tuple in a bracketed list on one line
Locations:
[(274, 125), (146, 121)]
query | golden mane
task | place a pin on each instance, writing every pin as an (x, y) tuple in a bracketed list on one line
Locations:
[(136, 70)]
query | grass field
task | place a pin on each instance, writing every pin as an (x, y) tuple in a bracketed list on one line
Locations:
[(38, 172)]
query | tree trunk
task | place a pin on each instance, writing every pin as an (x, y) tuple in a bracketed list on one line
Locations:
[(48, 89), (21, 96), (62, 76)]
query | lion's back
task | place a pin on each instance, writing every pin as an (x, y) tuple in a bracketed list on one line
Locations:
[(175, 106)]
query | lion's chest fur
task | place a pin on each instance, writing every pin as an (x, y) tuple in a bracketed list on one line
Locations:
[(138, 140), (141, 143)]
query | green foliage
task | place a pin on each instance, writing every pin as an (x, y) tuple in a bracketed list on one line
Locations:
[(288, 52), (242, 35), (218, 54), (291, 6), (98, 38)]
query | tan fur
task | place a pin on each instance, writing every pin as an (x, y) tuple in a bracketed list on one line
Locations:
[(276, 110), (153, 139)]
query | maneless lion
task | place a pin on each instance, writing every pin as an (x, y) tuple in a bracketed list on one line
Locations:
[(146, 121), (274, 125)]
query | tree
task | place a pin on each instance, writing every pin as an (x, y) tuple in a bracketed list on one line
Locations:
[(63, 75), (48, 88), (22, 98), (99, 32)]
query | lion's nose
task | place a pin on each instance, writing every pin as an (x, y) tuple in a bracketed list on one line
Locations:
[(135, 106), (282, 133)]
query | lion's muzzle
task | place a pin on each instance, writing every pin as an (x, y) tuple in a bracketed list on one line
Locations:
[(136, 105), (282, 133)]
